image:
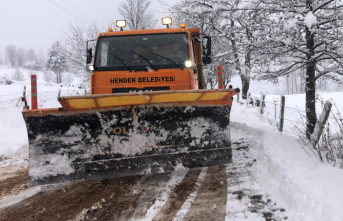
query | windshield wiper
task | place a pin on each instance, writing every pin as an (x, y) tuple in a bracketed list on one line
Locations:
[(150, 64), (121, 61), (168, 60)]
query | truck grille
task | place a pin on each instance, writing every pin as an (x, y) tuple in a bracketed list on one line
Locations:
[(134, 89)]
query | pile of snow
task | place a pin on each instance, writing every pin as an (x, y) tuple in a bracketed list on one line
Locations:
[(307, 188), (12, 126), (310, 20)]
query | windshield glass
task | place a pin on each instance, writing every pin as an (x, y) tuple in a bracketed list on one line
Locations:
[(134, 52)]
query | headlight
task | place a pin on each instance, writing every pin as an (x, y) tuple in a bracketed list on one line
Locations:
[(188, 64), (121, 23), (166, 21)]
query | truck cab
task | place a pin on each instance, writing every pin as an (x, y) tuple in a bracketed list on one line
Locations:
[(147, 60)]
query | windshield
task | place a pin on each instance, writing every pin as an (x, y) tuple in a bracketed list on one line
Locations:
[(153, 51)]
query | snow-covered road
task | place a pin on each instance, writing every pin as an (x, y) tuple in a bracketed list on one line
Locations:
[(227, 192)]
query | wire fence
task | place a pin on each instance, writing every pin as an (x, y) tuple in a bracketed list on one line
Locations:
[(4, 95), (17, 100), (255, 101), (3, 108), (297, 110), (326, 140), (285, 106)]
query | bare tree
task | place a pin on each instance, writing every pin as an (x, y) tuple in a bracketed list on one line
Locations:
[(187, 12), (234, 21), (75, 39), (302, 34), (68, 78), (18, 75), (276, 38), (47, 75), (41, 58), (31, 55), (21, 57), (11, 55), (137, 14)]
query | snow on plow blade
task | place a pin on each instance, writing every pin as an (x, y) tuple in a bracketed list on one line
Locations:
[(102, 136)]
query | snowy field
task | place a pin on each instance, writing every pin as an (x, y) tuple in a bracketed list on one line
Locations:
[(307, 188)]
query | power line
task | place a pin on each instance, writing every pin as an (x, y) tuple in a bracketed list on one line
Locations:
[(66, 10), (75, 9)]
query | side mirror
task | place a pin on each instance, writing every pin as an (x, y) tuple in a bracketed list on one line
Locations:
[(89, 56), (206, 60), (206, 50), (90, 68)]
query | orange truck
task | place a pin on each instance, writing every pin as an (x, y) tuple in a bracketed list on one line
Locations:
[(148, 111)]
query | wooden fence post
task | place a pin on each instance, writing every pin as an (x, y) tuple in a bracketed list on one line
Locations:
[(282, 113), (323, 118), (262, 103), (59, 94), (248, 99), (24, 99)]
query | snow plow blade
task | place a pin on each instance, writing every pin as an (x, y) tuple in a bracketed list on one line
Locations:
[(102, 136)]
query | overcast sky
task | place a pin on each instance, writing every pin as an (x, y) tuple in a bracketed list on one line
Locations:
[(38, 23)]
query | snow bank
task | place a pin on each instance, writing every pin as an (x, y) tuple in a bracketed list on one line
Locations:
[(12, 126), (307, 188)]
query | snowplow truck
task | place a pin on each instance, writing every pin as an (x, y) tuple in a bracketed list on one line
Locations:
[(148, 112)]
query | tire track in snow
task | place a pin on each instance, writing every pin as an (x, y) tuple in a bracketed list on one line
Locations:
[(133, 201), (178, 196), (210, 202), (162, 190), (187, 204)]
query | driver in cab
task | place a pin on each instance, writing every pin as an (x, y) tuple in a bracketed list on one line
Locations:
[(144, 56), (176, 52)]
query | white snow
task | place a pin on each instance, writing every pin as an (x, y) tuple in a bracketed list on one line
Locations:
[(310, 19), (306, 187), (289, 24), (187, 204), (217, 8), (197, 10), (58, 165), (187, 10), (176, 178), (12, 199)]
